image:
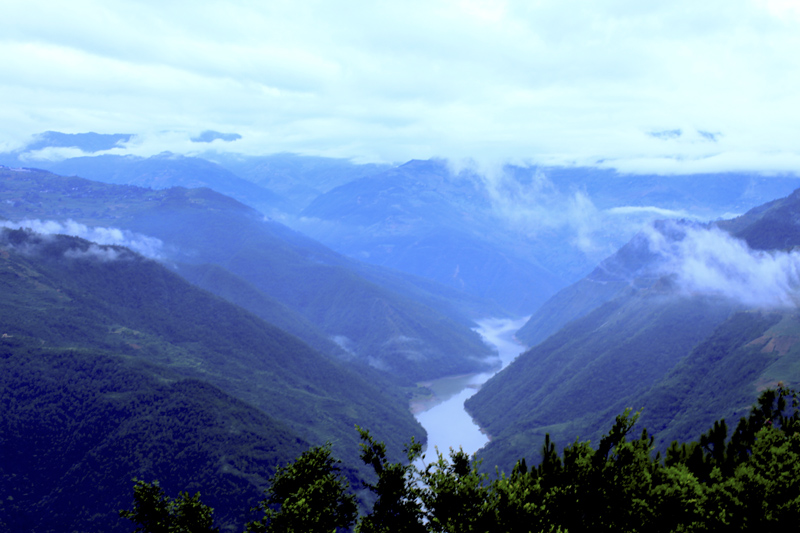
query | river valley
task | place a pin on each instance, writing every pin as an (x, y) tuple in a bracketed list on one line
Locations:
[(444, 418)]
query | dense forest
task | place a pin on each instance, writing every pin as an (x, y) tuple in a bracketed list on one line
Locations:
[(746, 481), (213, 366), (112, 366)]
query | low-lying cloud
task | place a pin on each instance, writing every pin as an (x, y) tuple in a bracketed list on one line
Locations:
[(147, 246), (99, 253), (536, 206), (707, 260)]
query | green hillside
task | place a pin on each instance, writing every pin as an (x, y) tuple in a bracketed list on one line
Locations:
[(633, 265), (566, 385), (234, 289), (638, 339), (389, 330), (79, 424), (769, 226), (66, 295)]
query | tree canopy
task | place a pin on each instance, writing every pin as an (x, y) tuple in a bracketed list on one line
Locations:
[(748, 480)]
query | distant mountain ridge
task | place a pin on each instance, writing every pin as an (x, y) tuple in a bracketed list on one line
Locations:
[(529, 226), (422, 219), (534, 228)]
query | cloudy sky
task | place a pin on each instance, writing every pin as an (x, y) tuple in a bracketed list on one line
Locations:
[(676, 86)]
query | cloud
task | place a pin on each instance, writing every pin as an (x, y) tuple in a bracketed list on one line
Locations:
[(93, 252), (51, 153), (142, 244), (530, 203), (709, 261), (210, 135), (555, 82), (660, 212)]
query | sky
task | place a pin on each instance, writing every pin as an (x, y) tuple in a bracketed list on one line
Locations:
[(666, 87)]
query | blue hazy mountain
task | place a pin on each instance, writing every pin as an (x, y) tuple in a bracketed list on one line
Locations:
[(466, 231), (384, 319), (421, 219), (427, 220), (167, 170), (298, 179)]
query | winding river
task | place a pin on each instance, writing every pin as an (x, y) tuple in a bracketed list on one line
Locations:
[(444, 418)]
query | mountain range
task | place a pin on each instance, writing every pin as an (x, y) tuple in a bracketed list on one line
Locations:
[(688, 322), (486, 232), (203, 319), (378, 317)]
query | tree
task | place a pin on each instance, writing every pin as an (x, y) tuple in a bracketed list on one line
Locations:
[(155, 512), (307, 496), (457, 496), (397, 509)]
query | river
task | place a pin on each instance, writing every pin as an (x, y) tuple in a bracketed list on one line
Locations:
[(444, 418)]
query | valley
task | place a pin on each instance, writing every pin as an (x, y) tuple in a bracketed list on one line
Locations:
[(415, 267), (358, 302), (443, 416)]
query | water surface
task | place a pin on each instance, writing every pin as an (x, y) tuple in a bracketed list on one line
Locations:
[(447, 423)]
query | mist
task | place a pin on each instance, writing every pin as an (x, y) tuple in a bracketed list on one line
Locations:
[(708, 261), (142, 244), (536, 207)]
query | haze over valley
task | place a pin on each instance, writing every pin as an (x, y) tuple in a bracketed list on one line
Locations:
[(503, 239)]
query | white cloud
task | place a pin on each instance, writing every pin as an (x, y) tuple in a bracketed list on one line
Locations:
[(550, 81), (712, 262), (93, 252), (142, 244), (627, 210)]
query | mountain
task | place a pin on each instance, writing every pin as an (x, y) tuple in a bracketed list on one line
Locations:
[(485, 233), (766, 227), (78, 425), (390, 331), (234, 289), (519, 234), (634, 265), (167, 170), (422, 219), (127, 369), (298, 179), (706, 196), (771, 226), (675, 323), (565, 385)]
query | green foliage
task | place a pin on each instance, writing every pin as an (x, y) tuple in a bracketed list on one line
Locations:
[(456, 496), (749, 481), (307, 496), (154, 512), (140, 311), (397, 506)]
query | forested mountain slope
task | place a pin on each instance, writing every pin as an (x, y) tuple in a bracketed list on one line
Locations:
[(65, 297), (79, 423), (566, 385), (379, 326), (686, 322), (769, 226)]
